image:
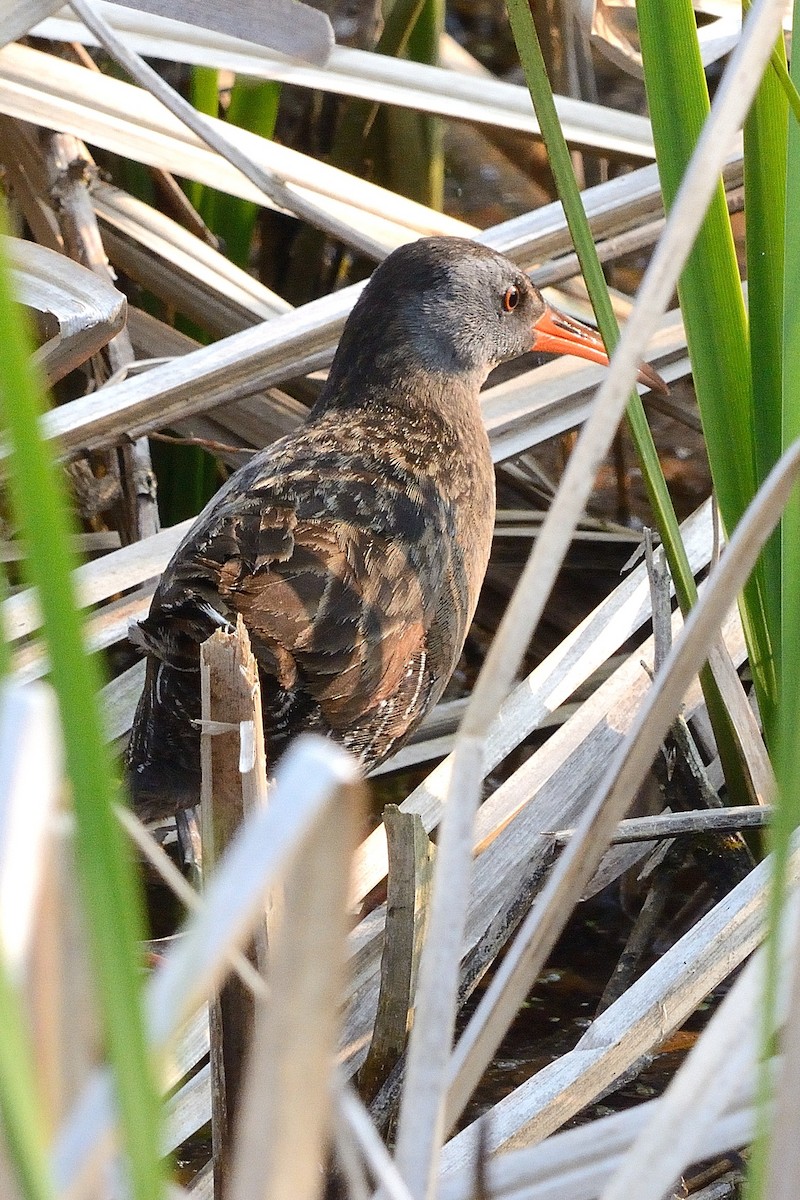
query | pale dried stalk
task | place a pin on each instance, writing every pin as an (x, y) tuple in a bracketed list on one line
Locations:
[(27, 181), (372, 1147), (669, 825), (294, 29), (411, 858), (544, 690), (177, 883), (88, 310), (573, 1165), (30, 784), (193, 967), (720, 1067), (42, 941), (179, 266), (51, 92), (18, 16), (380, 78), (421, 1121), (553, 785), (99, 579), (632, 1028), (352, 1113), (82, 241), (783, 1166), (743, 720), (284, 1112), (563, 889)]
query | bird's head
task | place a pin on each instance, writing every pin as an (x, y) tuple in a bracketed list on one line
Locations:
[(448, 306)]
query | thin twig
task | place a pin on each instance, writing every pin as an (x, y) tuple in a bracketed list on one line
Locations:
[(667, 825), (204, 444)]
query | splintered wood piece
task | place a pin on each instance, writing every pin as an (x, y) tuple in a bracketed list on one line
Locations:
[(234, 782), (411, 856), (234, 761)]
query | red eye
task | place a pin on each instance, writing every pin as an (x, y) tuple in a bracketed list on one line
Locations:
[(511, 299)]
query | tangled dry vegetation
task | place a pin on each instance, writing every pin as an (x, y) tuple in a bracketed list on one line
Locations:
[(522, 832)]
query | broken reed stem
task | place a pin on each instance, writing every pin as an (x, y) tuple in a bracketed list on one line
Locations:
[(234, 781), (70, 169), (411, 857), (667, 825), (421, 1123)]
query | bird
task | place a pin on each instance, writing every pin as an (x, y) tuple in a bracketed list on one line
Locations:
[(355, 547)]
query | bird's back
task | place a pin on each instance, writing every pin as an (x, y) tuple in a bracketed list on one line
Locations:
[(354, 550)]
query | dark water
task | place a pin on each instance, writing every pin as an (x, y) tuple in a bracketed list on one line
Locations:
[(562, 1005)]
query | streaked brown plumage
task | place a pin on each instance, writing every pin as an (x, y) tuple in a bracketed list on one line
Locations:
[(354, 548)]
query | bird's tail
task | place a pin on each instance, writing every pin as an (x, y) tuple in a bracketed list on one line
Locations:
[(163, 755)]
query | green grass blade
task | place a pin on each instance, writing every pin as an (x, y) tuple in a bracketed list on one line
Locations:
[(787, 814), (187, 475), (204, 96), (711, 301), (778, 61), (359, 115), (787, 811), (790, 408), (404, 147), (253, 106), (415, 144), (111, 896), (765, 134), (535, 70), (711, 298), (398, 27)]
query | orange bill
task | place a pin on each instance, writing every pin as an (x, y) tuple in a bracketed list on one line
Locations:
[(557, 333)]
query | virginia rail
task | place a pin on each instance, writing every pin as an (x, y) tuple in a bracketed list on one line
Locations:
[(355, 547)]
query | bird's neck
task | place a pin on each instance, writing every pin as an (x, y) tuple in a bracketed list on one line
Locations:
[(430, 426), (391, 383)]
